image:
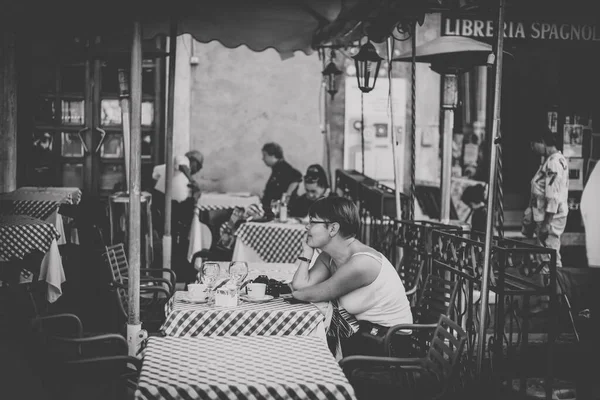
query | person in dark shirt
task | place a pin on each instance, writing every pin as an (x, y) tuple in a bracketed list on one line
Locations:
[(284, 178), (316, 186), (474, 197)]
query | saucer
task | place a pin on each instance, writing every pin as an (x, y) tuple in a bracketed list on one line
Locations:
[(185, 298), (254, 300)]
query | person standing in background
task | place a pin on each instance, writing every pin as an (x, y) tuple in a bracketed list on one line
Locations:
[(549, 193)]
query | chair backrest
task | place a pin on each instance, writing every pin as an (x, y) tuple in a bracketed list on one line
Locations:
[(437, 298), (116, 260), (410, 270), (445, 351)]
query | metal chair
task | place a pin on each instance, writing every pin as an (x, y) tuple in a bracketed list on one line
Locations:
[(153, 293), (437, 298), (75, 366), (428, 377), (116, 259)]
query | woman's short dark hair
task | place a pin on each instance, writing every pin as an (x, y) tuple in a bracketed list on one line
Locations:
[(547, 137), (273, 149), (473, 194), (340, 210), (316, 173)]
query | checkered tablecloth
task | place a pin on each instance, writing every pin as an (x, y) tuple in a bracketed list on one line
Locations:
[(62, 195), (225, 201), (31, 208), (276, 317), (241, 367), (21, 235), (274, 242)]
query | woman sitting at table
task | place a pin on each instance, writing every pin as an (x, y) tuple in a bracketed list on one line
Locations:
[(316, 186), (361, 279)]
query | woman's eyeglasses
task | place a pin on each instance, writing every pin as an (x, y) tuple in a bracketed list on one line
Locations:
[(316, 221)]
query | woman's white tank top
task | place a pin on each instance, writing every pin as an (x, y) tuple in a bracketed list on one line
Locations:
[(383, 301)]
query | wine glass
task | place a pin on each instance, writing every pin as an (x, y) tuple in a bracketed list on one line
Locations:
[(238, 271), (210, 273), (275, 207)]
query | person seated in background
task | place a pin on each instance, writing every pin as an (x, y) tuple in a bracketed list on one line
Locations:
[(316, 186), (474, 197), (360, 278), (185, 191), (284, 178)]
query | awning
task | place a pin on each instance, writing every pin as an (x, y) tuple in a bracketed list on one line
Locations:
[(284, 25), (450, 53)]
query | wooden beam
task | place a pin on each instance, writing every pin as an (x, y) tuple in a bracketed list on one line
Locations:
[(135, 161), (8, 111)]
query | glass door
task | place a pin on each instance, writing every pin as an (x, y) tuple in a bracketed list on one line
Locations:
[(114, 76), (59, 146), (77, 132)]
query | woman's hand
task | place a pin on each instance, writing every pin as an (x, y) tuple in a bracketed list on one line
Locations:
[(307, 251)]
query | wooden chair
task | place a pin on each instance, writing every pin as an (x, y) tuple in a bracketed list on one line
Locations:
[(75, 366), (437, 298), (428, 377)]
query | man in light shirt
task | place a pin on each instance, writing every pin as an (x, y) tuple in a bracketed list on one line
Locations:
[(549, 193), (185, 191)]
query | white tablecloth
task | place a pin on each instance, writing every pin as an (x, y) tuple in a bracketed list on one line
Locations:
[(21, 235)]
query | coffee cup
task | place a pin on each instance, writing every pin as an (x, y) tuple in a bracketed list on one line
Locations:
[(256, 290), (198, 291)]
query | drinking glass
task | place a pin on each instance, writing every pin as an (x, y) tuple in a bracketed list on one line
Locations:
[(238, 271), (275, 207), (210, 273)]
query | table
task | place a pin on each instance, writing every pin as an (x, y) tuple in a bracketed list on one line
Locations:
[(269, 242), (21, 235), (212, 201), (42, 203), (200, 236), (276, 317), (241, 367)]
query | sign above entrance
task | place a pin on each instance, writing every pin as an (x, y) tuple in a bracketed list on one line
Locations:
[(483, 28)]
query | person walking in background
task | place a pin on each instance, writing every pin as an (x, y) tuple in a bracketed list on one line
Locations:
[(549, 193), (474, 197), (316, 187), (284, 178)]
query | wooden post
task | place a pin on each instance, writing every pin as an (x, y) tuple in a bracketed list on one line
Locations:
[(125, 119), (167, 240), (8, 111), (397, 188), (489, 228), (135, 160)]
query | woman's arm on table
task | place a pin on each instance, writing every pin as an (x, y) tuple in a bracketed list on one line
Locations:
[(358, 272), (304, 276)]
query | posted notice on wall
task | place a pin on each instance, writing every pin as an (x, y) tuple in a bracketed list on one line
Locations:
[(374, 113)]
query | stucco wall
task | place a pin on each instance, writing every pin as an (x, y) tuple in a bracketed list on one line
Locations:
[(239, 101)]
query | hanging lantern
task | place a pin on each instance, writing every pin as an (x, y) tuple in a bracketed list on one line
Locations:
[(331, 73), (367, 67)]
